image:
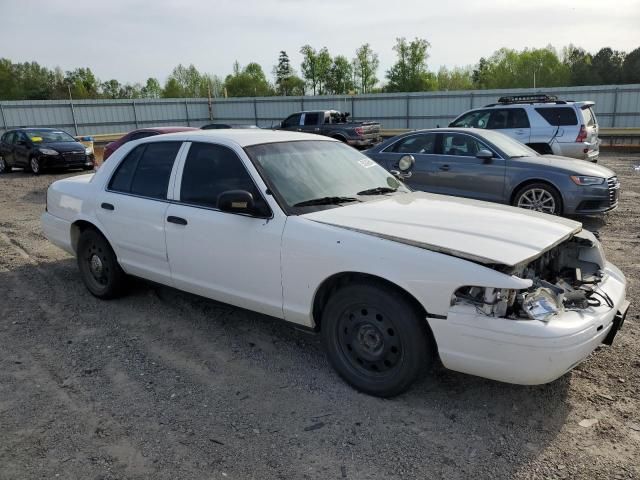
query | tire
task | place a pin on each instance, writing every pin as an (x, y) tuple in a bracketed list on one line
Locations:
[(375, 338), (541, 148), (4, 166), (99, 266), (540, 197), (34, 166), (86, 167)]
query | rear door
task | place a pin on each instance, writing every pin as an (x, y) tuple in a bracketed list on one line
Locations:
[(457, 171), (512, 122), (591, 124), (133, 206), (21, 149)]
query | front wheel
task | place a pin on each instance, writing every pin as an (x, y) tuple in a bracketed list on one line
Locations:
[(99, 266), (34, 166), (375, 338), (539, 197)]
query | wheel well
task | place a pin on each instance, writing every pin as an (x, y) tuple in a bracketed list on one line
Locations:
[(77, 228), (338, 280), (531, 182)]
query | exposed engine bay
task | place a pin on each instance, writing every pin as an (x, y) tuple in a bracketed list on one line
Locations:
[(563, 278)]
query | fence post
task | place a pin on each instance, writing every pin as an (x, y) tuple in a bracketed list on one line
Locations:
[(470, 100), (186, 111), (73, 116), (407, 112), (302, 103), (353, 107), (615, 107), (255, 110), (135, 114), (4, 121)]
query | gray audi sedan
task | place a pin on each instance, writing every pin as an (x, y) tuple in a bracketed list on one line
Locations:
[(487, 165)]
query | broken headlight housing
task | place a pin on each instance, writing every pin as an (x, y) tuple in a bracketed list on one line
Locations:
[(541, 304)]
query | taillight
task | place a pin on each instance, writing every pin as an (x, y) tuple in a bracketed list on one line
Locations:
[(582, 136), (359, 131)]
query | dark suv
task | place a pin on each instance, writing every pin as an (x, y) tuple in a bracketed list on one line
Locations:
[(35, 149)]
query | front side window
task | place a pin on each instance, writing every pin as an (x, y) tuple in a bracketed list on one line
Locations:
[(210, 170), (460, 145), (302, 171), (311, 118), (146, 170), (291, 121), (416, 144)]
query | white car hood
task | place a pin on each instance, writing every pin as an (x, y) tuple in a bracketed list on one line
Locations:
[(483, 232)]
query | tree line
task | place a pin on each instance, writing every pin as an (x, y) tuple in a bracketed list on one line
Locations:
[(322, 73)]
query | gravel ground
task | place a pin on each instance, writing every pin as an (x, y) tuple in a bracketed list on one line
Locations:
[(165, 385)]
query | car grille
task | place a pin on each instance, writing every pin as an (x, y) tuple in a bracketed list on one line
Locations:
[(614, 191), (75, 157)]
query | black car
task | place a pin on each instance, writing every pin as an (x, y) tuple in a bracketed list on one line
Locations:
[(35, 149)]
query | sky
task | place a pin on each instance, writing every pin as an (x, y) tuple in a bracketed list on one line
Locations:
[(131, 40)]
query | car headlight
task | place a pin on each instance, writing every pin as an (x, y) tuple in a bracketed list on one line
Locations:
[(541, 304), (88, 150), (586, 180), (48, 151)]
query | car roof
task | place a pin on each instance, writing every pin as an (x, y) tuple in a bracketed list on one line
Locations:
[(242, 137), (164, 129)]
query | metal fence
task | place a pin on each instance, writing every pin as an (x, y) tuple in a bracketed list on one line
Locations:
[(616, 106)]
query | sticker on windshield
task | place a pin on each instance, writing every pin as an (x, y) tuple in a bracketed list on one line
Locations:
[(36, 139), (366, 162)]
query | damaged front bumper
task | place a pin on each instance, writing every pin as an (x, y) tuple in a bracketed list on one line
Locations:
[(526, 351)]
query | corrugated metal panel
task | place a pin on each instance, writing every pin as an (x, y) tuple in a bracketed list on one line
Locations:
[(617, 106)]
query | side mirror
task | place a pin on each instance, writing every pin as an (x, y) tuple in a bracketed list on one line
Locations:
[(236, 201), (485, 155), (406, 163), (400, 175)]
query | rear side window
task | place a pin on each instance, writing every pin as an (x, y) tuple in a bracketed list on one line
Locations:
[(311, 118), (589, 117), (475, 119), (146, 170), (212, 169), (518, 118), (558, 115)]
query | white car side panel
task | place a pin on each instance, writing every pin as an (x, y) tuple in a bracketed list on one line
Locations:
[(313, 252)]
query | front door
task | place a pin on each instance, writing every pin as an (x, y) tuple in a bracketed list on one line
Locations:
[(133, 209), (230, 257), (457, 170), (21, 149)]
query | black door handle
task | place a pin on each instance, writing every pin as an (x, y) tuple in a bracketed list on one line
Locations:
[(444, 168), (176, 220), (108, 206)]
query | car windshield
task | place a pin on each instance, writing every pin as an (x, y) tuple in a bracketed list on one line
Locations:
[(508, 145), (311, 173), (49, 136)]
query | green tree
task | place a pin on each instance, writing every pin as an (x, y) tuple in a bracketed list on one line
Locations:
[(111, 88), (578, 61), (323, 69), (340, 79), (607, 64), (309, 67), (82, 83), (410, 73), (247, 82), (631, 67), (151, 89), (172, 89), (283, 73), (365, 66), (458, 78)]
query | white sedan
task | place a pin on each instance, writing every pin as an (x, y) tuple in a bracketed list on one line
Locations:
[(309, 230)]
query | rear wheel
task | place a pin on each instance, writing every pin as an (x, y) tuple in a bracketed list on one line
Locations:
[(99, 266), (34, 166), (540, 197), (375, 338), (4, 166)]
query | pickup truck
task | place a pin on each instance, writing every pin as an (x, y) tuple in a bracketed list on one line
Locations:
[(334, 124)]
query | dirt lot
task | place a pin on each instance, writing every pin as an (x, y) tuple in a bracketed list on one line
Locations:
[(165, 385)]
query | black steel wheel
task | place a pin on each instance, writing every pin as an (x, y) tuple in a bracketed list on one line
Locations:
[(376, 339), (34, 165), (99, 266)]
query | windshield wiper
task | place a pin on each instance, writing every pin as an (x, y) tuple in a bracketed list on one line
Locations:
[(377, 191), (326, 201)]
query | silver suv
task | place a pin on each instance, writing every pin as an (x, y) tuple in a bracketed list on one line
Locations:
[(544, 123)]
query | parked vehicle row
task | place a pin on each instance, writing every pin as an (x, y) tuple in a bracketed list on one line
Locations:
[(487, 165), (542, 122), (309, 230), (36, 149)]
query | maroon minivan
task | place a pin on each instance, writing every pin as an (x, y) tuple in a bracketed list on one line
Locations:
[(138, 134)]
